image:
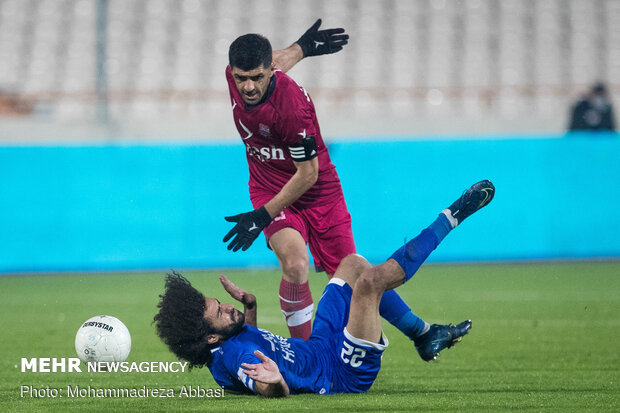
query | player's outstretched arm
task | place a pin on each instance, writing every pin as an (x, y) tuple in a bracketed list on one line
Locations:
[(306, 175), (268, 380), (285, 59), (250, 224), (313, 42), (244, 297)]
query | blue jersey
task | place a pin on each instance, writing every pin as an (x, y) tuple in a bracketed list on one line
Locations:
[(300, 362), (331, 361)]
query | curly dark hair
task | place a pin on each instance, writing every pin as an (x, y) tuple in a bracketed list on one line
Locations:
[(249, 51), (180, 322)]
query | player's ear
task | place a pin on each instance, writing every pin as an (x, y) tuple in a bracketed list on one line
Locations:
[(213, 339)]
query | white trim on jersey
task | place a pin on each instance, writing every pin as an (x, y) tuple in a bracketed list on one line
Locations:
[(366, 343), (247, 382)]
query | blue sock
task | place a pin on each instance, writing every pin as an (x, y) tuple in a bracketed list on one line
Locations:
[(394, 309), (411, 255), (441, 227)]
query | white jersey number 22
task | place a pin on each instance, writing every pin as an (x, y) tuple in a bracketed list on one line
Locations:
[(355, 354)]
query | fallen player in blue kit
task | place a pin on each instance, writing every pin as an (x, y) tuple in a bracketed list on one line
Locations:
[(343, 354)]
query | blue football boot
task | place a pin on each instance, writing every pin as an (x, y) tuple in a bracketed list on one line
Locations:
[(439, 337), (476, 197)]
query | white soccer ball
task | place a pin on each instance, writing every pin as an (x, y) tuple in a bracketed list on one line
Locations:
[(102, 338)]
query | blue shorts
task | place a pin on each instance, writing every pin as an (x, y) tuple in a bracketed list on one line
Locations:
[(354, 363)]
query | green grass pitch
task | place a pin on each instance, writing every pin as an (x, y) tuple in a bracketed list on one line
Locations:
[(545, 337)]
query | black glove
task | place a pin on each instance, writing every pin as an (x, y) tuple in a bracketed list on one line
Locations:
[(315, 42), (248, 228)]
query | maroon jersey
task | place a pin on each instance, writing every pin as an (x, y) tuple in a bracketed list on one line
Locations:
[(268, 130)]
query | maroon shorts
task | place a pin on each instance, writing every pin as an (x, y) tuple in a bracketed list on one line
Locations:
[(326, 229)]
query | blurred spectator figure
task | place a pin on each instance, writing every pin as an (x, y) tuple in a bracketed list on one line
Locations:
[(12, 105), (594, 112)]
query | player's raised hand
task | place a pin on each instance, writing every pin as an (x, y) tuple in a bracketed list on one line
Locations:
[(237, 293), (315, 42), (248, 228), (266, 372)]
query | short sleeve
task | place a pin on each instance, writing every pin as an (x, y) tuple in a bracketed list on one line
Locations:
[(240, 375), (297, 117)]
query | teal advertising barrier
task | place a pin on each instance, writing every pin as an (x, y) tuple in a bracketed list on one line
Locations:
[(111, 207)]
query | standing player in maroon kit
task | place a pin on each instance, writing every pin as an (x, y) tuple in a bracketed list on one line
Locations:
[(293, 183), (294, 187)]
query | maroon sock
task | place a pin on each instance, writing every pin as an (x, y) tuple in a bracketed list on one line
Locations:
[(297, 307)]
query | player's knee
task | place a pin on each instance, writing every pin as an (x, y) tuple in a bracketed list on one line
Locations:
[(357, 261), (351, 267), (355, 264), (371, 280), (295, 270)]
